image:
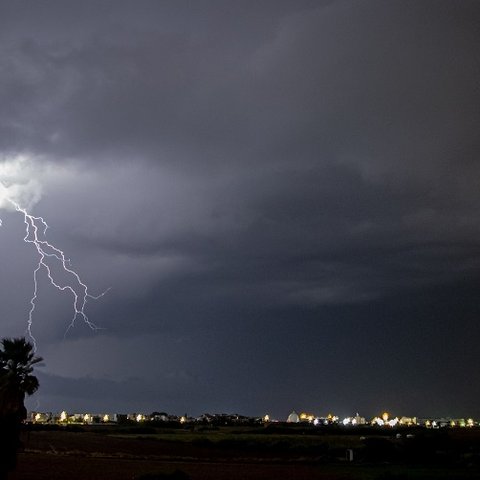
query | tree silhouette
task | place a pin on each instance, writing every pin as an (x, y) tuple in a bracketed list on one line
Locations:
[(17, 360)]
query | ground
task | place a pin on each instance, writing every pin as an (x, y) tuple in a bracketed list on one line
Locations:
[(233, 454)]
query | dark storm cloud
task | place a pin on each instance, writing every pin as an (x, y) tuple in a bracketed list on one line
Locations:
[(323, 85), (261, 168)]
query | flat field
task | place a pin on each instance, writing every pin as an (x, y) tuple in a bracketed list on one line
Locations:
[(243, 453)]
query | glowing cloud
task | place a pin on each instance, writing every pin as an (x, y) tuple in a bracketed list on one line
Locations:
[(19, 193), (17, 183)]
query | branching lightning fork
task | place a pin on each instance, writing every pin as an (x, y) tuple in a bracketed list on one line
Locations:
[(48, 255)]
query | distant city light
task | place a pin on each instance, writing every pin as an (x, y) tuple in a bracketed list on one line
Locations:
[(393, 422), (228, 419), (307, 417), (378, 421)]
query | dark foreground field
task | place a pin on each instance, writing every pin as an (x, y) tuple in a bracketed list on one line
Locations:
[(244, 454)]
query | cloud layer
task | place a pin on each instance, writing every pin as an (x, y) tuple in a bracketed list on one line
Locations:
[(264, 186)]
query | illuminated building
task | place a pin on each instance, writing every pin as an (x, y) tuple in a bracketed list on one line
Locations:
[(293, 417), (407, 421), (306, 417)]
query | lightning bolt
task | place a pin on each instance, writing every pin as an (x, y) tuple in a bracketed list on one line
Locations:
[(48, 256)]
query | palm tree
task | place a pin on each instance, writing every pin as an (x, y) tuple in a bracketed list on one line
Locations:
[(17, 359)]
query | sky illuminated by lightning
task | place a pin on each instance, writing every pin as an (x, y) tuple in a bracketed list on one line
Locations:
[(282, 195), (11, 194)]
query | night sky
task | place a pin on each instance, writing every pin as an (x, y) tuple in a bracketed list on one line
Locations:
[(282, 196)]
